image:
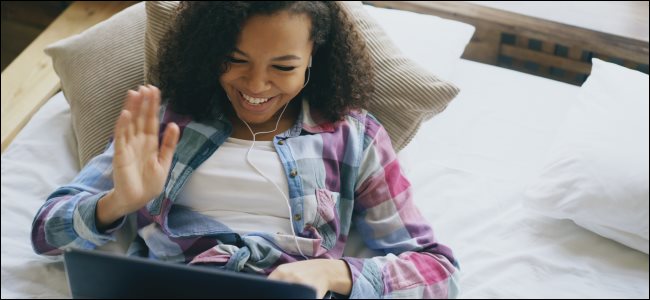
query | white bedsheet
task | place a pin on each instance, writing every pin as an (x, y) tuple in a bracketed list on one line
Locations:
[(42, 157), (467, 166)]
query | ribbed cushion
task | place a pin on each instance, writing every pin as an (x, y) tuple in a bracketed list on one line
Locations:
[(96, 69), (406, 94), (159, 17)]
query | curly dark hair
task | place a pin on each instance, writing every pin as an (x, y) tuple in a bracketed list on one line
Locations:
[(193, 56)]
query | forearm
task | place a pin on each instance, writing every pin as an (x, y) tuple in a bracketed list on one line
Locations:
[(107, 211), (67, 219), (321, 273), (419, 273), (341, 278)]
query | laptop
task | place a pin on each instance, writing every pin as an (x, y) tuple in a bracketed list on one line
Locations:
[(94, 274)]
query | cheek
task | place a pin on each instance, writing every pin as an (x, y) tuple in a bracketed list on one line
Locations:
[(292, 84), (227, 78)]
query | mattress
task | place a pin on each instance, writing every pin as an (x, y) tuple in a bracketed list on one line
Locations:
[(468, 167)]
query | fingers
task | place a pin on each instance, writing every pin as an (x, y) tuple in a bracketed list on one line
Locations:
[(151, 122), (134, 103), (130, 100), (141, 115), (170, 139), (122, 124), (122, 130), (144, 105)]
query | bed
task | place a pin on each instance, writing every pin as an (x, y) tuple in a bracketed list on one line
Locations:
[(469, 166)]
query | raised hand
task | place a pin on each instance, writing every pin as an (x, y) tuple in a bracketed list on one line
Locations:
[(140, 166)]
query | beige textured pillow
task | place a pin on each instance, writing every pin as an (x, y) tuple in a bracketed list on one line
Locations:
[(96, 68), (406, 94)]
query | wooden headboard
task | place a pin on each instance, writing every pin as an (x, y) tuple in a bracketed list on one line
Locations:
[(553, 40)]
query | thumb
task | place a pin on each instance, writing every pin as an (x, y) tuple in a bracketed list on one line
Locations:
[(170, 139)]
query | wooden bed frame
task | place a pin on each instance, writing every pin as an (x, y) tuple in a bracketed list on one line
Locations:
[(29, 81), (555, 41)]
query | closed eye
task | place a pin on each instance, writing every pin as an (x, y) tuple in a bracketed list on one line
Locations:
[(235, 61), (286, 69), (241, 61)]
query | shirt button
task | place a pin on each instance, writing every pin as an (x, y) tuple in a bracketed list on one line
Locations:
[(297, 217), (293, 173), (281, 142)]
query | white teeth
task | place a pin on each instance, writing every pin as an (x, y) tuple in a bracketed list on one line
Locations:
[(254, 100)]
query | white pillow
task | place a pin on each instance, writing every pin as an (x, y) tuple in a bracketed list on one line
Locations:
[(433, 42), (597, 170)]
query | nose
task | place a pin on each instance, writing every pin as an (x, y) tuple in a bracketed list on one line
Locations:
[(258, 82)]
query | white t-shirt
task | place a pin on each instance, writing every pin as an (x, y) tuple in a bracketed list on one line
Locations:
[(228, 189)]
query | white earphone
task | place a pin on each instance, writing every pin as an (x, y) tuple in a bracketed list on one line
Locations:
[(295, 239), (308, 72)]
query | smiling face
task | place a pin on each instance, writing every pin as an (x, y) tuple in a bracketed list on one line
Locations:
[(267, 69)]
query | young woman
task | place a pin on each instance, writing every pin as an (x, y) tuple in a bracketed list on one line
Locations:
[(266, 158)]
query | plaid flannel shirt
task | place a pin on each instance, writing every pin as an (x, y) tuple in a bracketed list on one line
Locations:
[(338, 174)]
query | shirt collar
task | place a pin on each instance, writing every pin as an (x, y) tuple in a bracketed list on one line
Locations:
[(312, 120)]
